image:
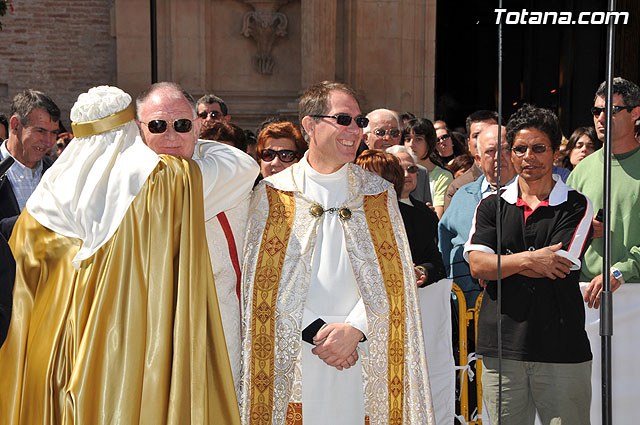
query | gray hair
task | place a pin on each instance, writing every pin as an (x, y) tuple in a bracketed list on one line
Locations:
[(169, 87), (395, 150), (28, 100), (487, 128), (394, 114)]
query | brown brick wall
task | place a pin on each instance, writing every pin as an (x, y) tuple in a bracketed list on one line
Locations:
[(61, 47)]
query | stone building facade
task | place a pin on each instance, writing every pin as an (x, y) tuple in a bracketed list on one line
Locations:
[(60, 47), (258, 55)]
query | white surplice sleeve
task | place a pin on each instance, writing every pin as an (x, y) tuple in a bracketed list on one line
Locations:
[(228, 175), (358, 317)]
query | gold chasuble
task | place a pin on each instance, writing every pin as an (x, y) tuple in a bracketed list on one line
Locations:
[(134, 335), (281, 239)]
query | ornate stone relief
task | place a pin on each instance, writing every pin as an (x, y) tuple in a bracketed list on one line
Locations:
[(264, 25)]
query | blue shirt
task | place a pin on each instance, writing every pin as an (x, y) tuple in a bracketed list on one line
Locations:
[(23, 179)]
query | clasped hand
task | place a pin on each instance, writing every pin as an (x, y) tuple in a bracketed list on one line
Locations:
[(336, 345)]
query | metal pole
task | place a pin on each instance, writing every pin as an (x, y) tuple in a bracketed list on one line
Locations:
[(606, 300), (499, 224), (154, 42)]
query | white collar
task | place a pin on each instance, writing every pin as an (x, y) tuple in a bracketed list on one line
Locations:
[(557, 196), (485, 186), (37, 171)]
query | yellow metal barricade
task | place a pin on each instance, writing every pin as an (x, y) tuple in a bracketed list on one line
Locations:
[(467, 317)]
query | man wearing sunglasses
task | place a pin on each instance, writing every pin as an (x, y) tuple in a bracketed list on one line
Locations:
[(212, 108), (545, 229), (587, 177), (329, 285), (115, 316), (167, 120), (383, 130)]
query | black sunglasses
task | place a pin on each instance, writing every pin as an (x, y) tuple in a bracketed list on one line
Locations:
[(380, 132), (444, 137), (412, 169), (522, 149), (344, 119), (183, 125), (596, 111), (214, 115), (285, 155)]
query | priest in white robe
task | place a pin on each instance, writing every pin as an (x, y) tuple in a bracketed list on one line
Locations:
[(326, 243)]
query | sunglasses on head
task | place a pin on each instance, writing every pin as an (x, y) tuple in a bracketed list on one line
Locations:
[(344, 119), (214, 115), (596, 110), (285, 155), (380, 132), (522, 149), (183, 125)]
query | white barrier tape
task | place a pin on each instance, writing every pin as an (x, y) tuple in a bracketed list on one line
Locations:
[(474, 415), (461, 419), (472, 357)]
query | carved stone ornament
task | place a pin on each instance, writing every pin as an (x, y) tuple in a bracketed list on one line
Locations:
[(264, 27)]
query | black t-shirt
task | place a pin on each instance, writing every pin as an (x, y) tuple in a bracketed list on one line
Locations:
[(542, 319)]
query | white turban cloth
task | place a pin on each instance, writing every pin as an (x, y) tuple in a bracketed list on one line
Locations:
[(87, 191)]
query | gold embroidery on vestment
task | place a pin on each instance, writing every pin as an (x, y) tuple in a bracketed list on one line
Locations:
[(386, 248), (273, 249)]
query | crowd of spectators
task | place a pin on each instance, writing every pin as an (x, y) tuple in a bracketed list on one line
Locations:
[(445, 184)]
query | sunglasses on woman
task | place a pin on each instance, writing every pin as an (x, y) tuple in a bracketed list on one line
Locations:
[(444, 137), (285, 155), (183, 125)]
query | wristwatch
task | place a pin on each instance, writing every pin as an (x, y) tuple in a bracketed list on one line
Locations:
[(617, 274)]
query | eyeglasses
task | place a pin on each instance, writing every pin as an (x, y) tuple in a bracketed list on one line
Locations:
[(285, 155), (444, 137), (596, 111), (214, 115), (412, 169), (344, 119), (393, 132), (183, 125), (522, 149)]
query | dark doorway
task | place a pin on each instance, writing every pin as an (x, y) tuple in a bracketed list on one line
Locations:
[(553, 66)]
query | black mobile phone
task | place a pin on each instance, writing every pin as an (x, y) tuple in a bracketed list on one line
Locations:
[(310, 331), (600, 215)]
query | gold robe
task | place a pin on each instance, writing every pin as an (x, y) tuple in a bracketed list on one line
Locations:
[(279, 246), (134, 335)]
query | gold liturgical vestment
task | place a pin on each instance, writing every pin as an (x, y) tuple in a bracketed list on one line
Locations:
[(279, 245), (134, 335)]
